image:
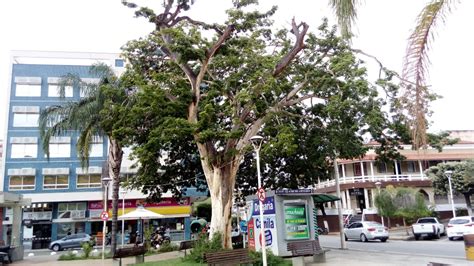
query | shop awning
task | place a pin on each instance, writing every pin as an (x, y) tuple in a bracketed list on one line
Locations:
[(322, 198)]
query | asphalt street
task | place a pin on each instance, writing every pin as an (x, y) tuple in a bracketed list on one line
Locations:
[(436, 248)]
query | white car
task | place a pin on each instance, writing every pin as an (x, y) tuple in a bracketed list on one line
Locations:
[(365, 231), (458, 226)]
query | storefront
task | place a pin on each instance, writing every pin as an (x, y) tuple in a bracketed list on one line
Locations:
[(37, 225)]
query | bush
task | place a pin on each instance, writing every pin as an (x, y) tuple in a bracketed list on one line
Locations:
[(87, 249), (204, 245), (69, 256), (167, 247), (271, 259)]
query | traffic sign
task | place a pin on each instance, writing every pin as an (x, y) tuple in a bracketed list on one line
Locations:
[(104, 216), (261, 194)]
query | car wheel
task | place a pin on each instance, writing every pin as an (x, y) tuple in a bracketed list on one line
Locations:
[(417, 237), (451, 238), (56, 247), (363, 238), (383, 240), (345, 237), (438, 235)]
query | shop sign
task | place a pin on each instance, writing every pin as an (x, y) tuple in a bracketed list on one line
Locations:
[(296, 221), (37, 215), (269, 234), (293, 191), (356, 192), (268, 206), (251, 230), (133, 203)]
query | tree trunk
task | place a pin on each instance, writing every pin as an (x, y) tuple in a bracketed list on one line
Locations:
[(221, 181), (405, 225), (467, 198), (389, 223), (114, 161)]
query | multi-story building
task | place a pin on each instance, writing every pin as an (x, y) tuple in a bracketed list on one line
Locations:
[(65, 197), (361, 178)]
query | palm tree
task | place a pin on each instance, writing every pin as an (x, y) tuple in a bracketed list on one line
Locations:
[(416, 95), (87, 117)]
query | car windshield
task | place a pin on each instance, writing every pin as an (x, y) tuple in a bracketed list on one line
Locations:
[(427, 221), (459, 221)]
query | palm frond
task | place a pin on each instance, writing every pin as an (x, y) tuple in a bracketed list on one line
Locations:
[(346, 14), (415, 68)]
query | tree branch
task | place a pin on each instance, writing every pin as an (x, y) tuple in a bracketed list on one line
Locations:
[(299, 45)]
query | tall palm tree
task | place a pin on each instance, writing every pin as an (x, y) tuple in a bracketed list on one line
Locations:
[(416, 95), (86, 117)]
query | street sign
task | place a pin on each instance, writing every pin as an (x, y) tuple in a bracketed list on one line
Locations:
[(104, 216), (261, 194)]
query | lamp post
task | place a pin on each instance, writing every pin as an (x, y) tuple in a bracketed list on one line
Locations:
[(123, 193), (105, 182), (257, 143), (448, 174), (378, 185)]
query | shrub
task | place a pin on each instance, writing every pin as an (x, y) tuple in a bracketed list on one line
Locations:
[(87, 249), (69, 256), (167, 247), (271, 258), (204, 245)]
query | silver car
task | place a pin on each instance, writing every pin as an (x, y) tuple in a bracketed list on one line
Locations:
[(365, 231), (70, 241)]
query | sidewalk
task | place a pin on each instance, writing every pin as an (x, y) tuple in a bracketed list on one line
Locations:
[(333, 257)]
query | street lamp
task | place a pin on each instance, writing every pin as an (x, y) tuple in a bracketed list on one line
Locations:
[(257, 144), (105, 183), (448, 174), (378, 185), (123, 193), (338, 203)]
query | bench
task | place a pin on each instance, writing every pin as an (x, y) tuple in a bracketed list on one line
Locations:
[(5, 255), (186, 244), (137, 251), (300, 249), (228, 257)]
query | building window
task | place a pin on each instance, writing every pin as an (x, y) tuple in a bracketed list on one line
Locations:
[(411, 167), (28, 90), (59, 150), (89, 181), (25, 120), (381, 167), (24, 150), (53, 91), (119, 63), (22, 183), (96, 148), (55, 182)]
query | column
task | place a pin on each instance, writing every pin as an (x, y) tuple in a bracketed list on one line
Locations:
[(372, 170), (88, 229), (343, 199), (343, 171), (362, 170), (16, 226), (366, 198), (396, 169), (348, 195), (421, 169), (187, 228)]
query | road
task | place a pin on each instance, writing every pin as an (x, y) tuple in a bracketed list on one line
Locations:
[(436, 248)]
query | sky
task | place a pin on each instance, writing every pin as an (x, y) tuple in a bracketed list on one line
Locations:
[(382, 30)]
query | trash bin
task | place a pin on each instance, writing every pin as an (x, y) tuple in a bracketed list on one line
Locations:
[(469, 246)]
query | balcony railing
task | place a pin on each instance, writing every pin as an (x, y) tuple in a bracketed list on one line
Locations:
[(369, 178)]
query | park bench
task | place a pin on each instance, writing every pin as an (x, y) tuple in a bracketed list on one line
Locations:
[(228, 257), (5, 255), (137, 251), (186, 244), (300, 249)]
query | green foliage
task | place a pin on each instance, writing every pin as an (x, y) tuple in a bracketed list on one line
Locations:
[(271, 259), (167, 247), (204, 245), (462, 177), (438, 141), (87, 249), (69, 256), (147, 234), (204, 210), (384, 204)]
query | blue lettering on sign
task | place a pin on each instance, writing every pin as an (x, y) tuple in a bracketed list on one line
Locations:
[(268, 238), (268, 206), (267, 222)]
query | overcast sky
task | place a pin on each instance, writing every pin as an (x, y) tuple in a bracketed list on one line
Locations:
[(382, 29)]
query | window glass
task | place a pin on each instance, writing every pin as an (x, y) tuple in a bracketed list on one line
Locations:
[(22, 182), (381, 167), (56, 182), (53, 91), (62, 207), (25, 120), (96, 150), (88, 181), (24, 150), (28, 90), (59, 150), (411, 167)]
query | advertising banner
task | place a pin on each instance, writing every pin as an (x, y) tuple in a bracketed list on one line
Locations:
[(269, 222), (296, 221)]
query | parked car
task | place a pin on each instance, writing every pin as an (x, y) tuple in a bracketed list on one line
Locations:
[(365, 231), (70, 241), (458, 226), (428, 226)]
